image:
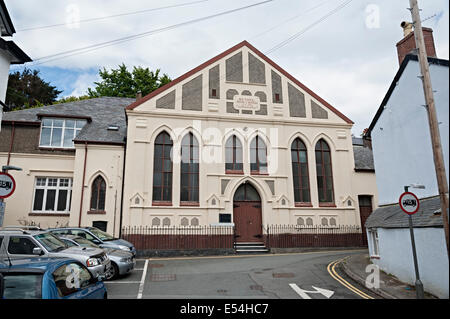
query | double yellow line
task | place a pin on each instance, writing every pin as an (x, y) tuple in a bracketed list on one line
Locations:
[(332, 271)]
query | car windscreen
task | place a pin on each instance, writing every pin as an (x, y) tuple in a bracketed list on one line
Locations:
[(22, 286), (68, 242), (50, 242), (101, 234), (83, 242)]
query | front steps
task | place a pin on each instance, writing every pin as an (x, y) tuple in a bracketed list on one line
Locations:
[(251, 248)]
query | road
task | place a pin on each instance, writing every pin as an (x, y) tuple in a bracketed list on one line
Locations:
[(283, 276)]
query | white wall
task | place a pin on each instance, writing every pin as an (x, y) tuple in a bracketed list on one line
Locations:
[(4, 74), (396, 257), (401, 138)]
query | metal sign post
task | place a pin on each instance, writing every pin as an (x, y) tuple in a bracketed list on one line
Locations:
[(410, 204), (7, 188)]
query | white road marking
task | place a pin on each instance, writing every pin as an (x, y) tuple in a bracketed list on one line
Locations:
[(304, 293), (141, 286), (121, 282)]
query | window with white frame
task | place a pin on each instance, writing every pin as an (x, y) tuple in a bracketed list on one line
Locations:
[(59, 133), (375, 243), (52, 194)]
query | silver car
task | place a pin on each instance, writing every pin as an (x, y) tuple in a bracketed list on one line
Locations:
[(27, 243), (122, 262)]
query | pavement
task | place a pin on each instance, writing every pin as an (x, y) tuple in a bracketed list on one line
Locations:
[(390, 287)]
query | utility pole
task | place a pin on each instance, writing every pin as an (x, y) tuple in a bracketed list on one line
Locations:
[(432, 117)]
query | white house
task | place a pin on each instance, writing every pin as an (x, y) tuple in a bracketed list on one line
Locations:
[(403, 156), (10, 53)]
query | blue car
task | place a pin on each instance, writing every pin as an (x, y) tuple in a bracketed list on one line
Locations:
[(49, 278)]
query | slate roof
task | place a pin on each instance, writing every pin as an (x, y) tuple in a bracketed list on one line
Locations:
[(363, 155), (102, 112), (393, 217)]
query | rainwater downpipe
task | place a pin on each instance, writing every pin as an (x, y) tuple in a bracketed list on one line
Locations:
[(82, 184)]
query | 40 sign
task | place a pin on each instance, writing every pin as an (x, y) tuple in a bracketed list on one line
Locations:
[(409, 203), (7, 185)]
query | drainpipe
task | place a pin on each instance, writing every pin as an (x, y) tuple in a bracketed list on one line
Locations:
[(123, 185), (12, 142), (82, 184)]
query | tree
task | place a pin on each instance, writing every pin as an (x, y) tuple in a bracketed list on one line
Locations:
[(28, 90), (123, 83), (69, 99)]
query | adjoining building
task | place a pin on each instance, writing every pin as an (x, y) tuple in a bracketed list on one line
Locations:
[(72, 156), (237, 141), (403, 156)]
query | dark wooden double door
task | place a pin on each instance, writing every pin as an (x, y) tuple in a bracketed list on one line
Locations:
[(247, 214)]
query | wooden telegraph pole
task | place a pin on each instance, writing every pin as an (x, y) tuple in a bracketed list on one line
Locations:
[(432, 117)]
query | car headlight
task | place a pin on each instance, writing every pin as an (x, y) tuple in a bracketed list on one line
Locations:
[(91, 262), (125, 260), (124, 247)]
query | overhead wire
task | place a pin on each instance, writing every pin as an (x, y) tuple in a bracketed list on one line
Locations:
[(112, 16)]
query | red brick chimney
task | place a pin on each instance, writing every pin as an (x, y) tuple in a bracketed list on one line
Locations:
[(408, 43)]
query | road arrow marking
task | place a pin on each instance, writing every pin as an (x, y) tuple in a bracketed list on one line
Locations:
[(304, 293)]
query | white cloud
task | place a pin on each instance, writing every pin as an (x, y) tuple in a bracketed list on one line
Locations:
[(83, 82), (347, 63)]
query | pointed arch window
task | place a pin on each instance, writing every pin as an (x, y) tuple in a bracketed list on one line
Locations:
[(162, 169), (258, 156), (189, 170), (324, 173), (233, 156), (98, 194), (300, 172)]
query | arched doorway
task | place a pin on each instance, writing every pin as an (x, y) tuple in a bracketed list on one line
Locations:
[(247, 214)]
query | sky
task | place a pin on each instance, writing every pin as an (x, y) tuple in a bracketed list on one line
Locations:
[(349, 58)]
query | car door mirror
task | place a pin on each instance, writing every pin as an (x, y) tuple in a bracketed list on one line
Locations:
[(37, 251), (2, 286)]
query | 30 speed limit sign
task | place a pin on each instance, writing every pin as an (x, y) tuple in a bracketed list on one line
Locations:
[(409, 203), (7, 185)]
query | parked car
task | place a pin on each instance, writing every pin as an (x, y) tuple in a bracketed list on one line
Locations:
[(98, 237), (122, 262), (49, 278), (29, 243)]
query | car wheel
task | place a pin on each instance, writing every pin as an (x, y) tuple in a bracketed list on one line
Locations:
[(114, 272)]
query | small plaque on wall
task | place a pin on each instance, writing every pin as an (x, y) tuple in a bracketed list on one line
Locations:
[(243, 102)]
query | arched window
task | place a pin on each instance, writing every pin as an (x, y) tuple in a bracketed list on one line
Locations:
[(324, 172), (233, 155), (98, 194), (258, 156), (300, 173), (189, 169), (162, 169)]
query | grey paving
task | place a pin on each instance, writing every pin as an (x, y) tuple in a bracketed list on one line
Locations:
[(250, 277)]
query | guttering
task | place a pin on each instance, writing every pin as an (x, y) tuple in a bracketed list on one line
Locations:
[(82, 184)]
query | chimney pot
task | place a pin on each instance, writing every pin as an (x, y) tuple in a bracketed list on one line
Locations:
[(407, 28), (138, 95)]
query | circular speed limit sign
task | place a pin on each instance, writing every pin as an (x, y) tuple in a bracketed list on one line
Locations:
[(7, 185), (409, 203)]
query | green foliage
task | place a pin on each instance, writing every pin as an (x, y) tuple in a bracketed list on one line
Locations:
[(72, 99), (28, 90), (123, 83)]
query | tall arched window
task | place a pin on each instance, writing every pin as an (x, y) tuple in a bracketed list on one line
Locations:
[(300, 173), (233, 155), (98, 194), (162, 169), (189, 170), (324, 172), (258, 156)]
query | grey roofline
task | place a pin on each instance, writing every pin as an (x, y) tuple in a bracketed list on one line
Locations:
[(5, 20), (397, 77), (19, 56)]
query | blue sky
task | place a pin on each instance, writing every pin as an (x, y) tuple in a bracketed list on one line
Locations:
[(349, 60)]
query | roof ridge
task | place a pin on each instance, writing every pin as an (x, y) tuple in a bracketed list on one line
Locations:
[(224, 54)]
